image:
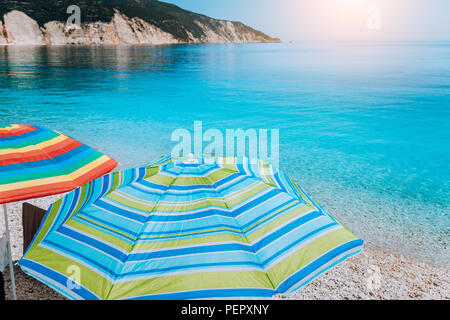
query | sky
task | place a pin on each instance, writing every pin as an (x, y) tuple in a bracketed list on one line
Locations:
[(335, 20)]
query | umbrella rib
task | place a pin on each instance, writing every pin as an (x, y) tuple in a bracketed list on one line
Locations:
[(143, 226), (240, 229)]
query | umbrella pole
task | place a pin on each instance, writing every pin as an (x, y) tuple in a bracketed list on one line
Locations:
[(8, 243)]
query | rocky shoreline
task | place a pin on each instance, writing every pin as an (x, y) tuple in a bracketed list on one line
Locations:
[(373, 274), (104, 22)]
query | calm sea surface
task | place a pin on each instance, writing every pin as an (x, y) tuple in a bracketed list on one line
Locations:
[(364, 128)]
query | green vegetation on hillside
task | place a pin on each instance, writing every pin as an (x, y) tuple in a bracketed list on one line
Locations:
[(168, 17)]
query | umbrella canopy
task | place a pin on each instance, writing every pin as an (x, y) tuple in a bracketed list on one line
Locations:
[(37, 162), (208, 227)]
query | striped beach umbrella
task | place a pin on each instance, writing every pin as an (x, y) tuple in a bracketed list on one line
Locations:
[(187, 228), (37, 162)]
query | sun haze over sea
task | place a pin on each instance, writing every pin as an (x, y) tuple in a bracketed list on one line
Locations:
[(335, 20)]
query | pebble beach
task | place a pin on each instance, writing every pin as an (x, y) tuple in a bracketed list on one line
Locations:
[(372, 274)]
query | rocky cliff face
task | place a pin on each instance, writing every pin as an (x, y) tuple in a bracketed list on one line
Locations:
[(121, 30), (21, 29), (2, 38), (43, 22)]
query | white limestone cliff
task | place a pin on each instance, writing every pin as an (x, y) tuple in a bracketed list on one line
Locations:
[(225, 32), (20, 29), (2, 37)]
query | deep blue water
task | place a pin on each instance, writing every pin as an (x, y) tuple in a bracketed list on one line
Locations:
[(364, 128)]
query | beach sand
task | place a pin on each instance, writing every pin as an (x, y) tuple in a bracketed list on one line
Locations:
[(372, 274)]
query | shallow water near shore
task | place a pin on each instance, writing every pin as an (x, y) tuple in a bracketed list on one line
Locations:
[(363, 127)]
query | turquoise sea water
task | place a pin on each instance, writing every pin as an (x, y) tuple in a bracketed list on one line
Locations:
[(364, 128)]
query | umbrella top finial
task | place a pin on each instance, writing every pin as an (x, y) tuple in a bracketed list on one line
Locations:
[(191, 159)]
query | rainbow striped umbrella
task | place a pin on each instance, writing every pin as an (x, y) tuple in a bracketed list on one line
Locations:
[(195, 228), (37, 162)]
